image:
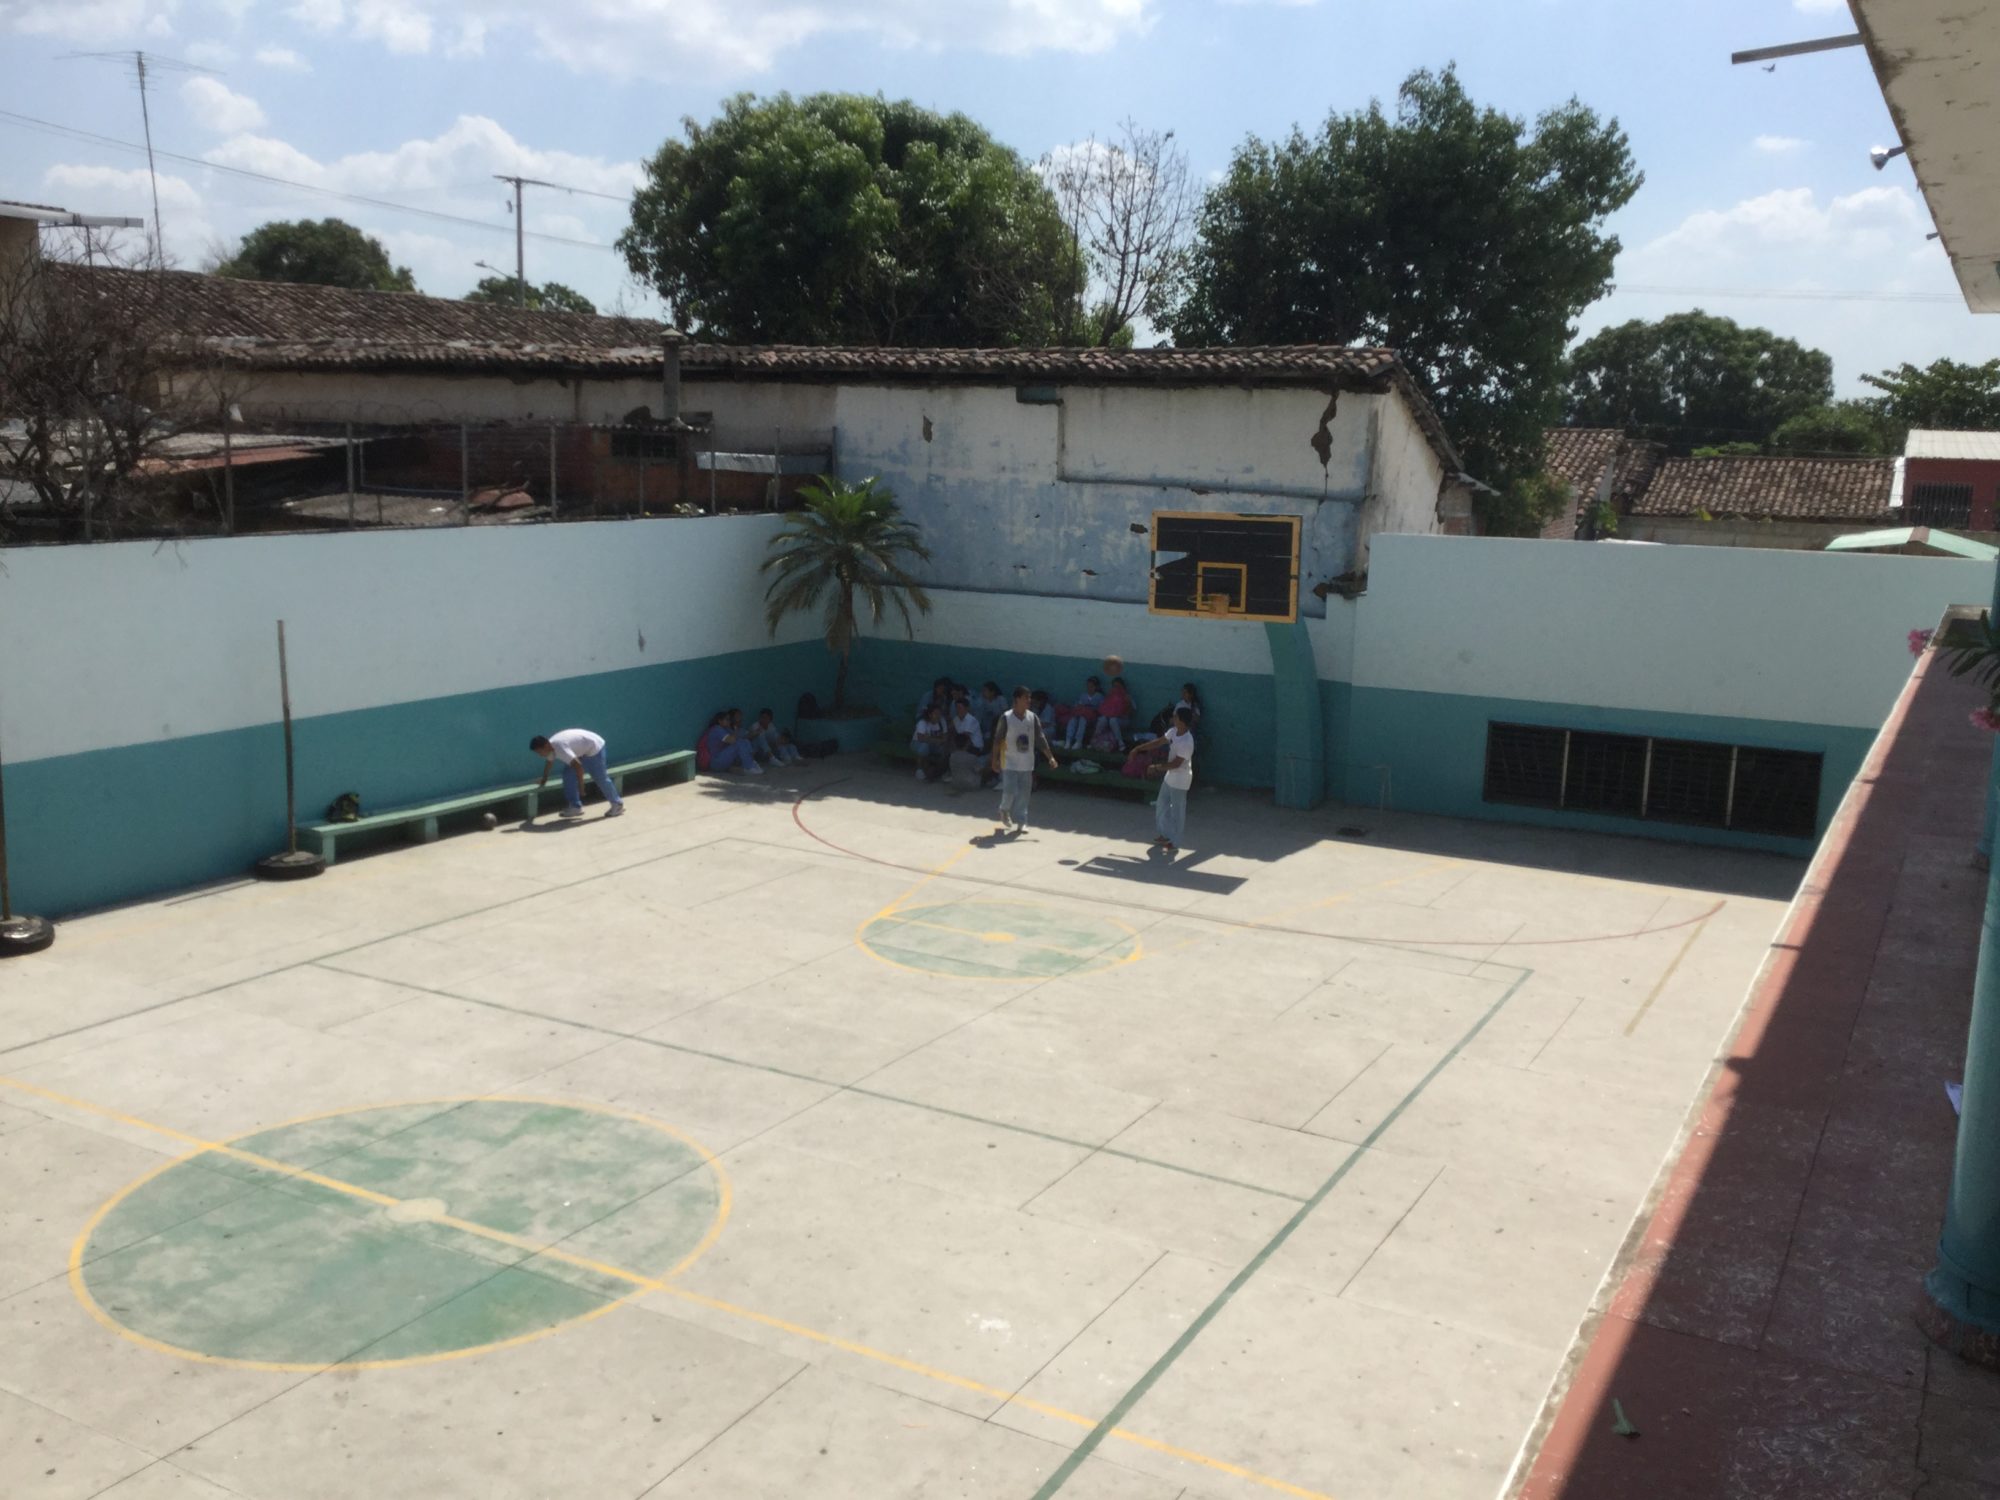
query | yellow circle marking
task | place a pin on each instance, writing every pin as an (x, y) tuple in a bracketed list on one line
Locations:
[(641, 1284), (894, 912)]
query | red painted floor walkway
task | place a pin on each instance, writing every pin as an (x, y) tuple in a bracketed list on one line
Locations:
[(1761, 1337)]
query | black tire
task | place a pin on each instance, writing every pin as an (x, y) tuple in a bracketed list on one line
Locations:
[(298, 866), (20, 936)]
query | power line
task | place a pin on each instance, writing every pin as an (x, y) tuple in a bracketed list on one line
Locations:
[(92, 138)]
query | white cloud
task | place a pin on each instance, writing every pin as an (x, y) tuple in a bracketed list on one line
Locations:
[(1851, 274), (283, 58), (219, 108), (184, 218), (1780, 145), (1821, 7), (88, 20), (209, 54), (634, 38)]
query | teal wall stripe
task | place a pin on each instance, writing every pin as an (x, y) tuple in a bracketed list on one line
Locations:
[(1434, 746), (1234, 747), (1299, 742), (110, 825)]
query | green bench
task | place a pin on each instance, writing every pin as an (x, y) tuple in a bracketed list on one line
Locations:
[(421, 821), (1108, 779)]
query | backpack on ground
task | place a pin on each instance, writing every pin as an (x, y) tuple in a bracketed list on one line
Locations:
[(346, 808)]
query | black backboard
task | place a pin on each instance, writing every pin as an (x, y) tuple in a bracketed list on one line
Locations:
[(1228, 567)]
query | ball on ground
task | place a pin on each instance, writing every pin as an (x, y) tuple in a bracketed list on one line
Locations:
[(491, 820), (1114, 666)]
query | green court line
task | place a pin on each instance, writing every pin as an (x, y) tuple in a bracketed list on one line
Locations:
[(828, 1083), (1118, 1413)]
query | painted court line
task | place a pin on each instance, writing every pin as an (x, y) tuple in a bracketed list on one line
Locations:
[(829, 1083), (655, 1285), (1109, 1425), (1658, 988)]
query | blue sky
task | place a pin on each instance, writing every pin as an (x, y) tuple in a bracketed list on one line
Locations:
[(1756, 182)]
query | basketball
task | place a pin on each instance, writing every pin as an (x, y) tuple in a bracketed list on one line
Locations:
[(1113, 665)]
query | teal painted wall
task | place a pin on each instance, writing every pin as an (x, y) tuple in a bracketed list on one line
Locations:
[(1238, 708), (103, 826), (1435, 747)]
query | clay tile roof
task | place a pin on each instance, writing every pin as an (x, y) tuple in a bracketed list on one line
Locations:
[(1790, 489), (279, 326), (1578, 456)]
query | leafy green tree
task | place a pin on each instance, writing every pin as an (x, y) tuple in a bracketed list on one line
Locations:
[(550, 296), (849, 540), (1692, 380), (1456, 235), (1857, 427), (842, 219), (1729, 450), (1944, 394), (1526, 505), (317, 252)]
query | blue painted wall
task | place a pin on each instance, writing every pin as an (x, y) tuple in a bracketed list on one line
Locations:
[(1435, 747), (103, 826), (1238, 708)]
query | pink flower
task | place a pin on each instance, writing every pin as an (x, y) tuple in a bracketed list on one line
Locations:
[(1986, 719), (1919, 639)]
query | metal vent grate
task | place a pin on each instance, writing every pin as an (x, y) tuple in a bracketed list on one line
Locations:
[(1524, 763), (1777, 791), (1696, 782), (1690, 782), (1607, 774)]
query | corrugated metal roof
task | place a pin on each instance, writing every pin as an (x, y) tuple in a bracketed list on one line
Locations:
[(1931, 442)]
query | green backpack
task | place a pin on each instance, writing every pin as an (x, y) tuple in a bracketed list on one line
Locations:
[(346, 808)]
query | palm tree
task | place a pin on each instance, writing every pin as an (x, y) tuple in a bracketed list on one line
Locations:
[(849, 539)]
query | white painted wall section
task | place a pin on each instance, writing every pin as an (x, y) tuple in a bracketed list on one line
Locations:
[(125, 643), (1810, 638)]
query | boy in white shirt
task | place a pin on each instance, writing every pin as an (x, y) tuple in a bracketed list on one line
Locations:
[(1177, 775), (1017, 735), (964, 721), (579, 750), (932, 742)]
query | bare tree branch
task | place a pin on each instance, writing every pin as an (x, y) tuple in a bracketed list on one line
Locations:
[(1130, 211)]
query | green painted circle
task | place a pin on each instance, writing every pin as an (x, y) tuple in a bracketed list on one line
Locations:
[(226, 1259), (999, 940)]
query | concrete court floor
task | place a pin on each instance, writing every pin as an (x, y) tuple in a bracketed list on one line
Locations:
[(796, 1138)]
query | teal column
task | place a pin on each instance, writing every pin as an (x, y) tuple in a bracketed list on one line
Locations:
[(1986, 832), (1299, 746), (1961, 1309)]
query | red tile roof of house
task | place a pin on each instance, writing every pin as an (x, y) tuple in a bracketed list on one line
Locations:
[(1578, 456), (1788, 489)]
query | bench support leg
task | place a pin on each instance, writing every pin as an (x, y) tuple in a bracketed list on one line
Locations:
[(530, 805), (326, 842), (424, 831)]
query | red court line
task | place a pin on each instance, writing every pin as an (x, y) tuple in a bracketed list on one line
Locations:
[(1608, 937)]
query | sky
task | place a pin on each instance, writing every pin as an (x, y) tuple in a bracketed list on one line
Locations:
[(1759, 203)]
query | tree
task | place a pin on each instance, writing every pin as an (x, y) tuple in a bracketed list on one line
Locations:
[(842, 219), (1857, 427), (1128, 209), (1527, 504), (1944, 394), (849, 539), (87, 399), (317, 252), (1693, 381), (550, 296), (1455, 235)]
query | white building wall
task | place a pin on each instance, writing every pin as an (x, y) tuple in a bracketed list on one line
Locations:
[(126, 643), (1806, 638)]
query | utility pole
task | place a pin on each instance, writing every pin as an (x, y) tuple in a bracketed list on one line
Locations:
[(520, 229)]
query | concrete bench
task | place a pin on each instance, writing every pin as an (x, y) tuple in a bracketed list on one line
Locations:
[(1107, 779), (420, 822)]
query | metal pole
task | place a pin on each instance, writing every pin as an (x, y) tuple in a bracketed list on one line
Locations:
[(228, 478), (520, 251), (349, 445), (552, 471), (285, 700), (711, 468), (464, 476), (642, 473), (6, 896)]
